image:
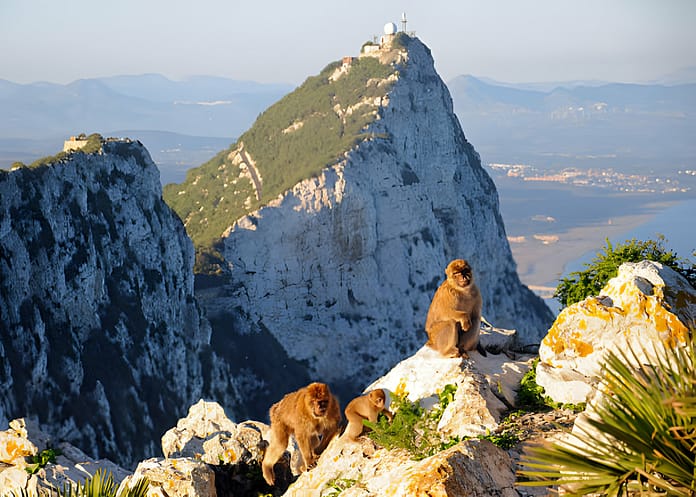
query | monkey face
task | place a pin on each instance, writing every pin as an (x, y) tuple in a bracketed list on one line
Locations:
[(319, 399), (377, 398), (459, 272), (320, 407)]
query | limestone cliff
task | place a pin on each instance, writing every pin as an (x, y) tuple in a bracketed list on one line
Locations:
[(100, 334), (339, 270)]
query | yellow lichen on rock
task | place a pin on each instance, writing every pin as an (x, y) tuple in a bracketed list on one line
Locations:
[(429, 480), (13, 448), (646, 303)]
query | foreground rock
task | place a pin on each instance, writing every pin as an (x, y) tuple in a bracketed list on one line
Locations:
[(486, 386), (24, 439), (474, 468), (645, 303), (207, 454)]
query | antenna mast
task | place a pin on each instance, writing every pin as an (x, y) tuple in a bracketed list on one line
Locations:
[(403, 22)]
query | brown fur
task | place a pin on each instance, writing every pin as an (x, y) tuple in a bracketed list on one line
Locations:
[(312, 415), (367, 407), (454, 318)]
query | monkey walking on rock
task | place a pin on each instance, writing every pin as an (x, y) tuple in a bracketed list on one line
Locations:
[(312, 415), (453, 323)]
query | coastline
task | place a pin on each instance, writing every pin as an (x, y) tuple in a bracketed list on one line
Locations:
[(543, 260)]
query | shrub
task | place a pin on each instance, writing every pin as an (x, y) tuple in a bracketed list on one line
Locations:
[(413, 428), (336, 486), (647, 422), (582, 284), (93, 145), (41, 459)]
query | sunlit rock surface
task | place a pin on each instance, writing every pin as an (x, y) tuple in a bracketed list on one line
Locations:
[(645, 303)]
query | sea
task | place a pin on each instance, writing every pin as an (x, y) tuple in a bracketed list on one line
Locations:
[(676, 223)]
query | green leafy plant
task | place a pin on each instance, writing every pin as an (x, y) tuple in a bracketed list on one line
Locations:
[(531, 395), (641, 439), (41, 459), (505, 439), (413, 427), (336, 486), (100, 485), (582, 284)]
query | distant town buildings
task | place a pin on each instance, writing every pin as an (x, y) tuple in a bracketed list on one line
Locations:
[(602, 178)]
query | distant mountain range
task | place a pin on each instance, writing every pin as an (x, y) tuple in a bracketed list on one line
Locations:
[(624, 126), (580, 124), (37, 117)]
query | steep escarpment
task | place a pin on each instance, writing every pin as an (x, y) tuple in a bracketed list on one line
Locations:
[(338, 269), (101, 338)]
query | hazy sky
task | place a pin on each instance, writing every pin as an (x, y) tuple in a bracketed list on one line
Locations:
[(286, 41)]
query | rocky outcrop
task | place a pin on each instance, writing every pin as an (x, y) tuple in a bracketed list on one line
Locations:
[(208, 434), (474, 468), (207, 455), (24, 440), (101, 337), (645, 303), (486, 387), (338, 272)]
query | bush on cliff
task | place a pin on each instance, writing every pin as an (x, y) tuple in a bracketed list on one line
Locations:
[(581, 284), (294, 139)]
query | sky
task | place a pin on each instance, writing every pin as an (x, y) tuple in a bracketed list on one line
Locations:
[(286, 41)]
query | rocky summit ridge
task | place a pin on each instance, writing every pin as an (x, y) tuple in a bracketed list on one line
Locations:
[(340, 267)]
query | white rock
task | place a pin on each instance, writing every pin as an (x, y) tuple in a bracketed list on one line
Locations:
[(206, 433), (474, 468), (475, 408), (179, 477), (645, 303), (71, 466)]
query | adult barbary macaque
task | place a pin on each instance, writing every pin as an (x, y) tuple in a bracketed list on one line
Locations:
[(454, 318), (366, 407), (312, 415)]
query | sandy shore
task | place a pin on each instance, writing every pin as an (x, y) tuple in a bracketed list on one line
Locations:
[(541, 261)]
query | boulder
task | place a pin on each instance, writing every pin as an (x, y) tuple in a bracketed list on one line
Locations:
[(177, 477), (645, 303), (359, 469), (232, 451), (206, 433), (486, 387), (23, 439)]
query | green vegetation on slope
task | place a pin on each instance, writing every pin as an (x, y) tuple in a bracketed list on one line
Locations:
[(579, 285), (294, 139)]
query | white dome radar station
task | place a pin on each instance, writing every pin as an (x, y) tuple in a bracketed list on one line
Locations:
[(390, 28)]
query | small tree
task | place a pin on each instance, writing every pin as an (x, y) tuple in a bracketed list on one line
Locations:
[(582, 284)]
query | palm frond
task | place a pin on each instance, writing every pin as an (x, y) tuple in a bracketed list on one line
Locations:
[(640, 435)]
